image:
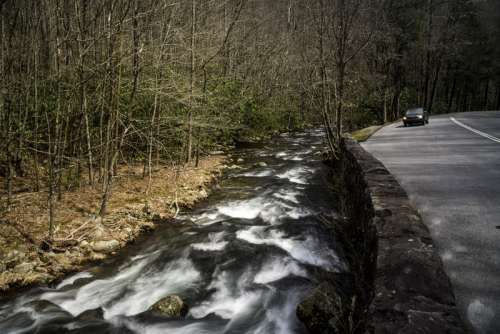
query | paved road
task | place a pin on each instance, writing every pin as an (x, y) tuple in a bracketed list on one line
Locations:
[(451, 171)]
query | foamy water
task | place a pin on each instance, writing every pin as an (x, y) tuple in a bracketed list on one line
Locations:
[(242, 261)]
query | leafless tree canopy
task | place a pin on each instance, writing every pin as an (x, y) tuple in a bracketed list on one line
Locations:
[(88, 85)]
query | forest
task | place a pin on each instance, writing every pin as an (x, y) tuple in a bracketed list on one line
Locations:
[(89, 86)]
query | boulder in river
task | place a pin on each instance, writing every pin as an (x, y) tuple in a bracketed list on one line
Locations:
[(234, 167), (105, 246), (171, 306), (328, 307), (89, 315)]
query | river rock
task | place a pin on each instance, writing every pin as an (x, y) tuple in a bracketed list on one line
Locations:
[(105, 246), (203, 193), (327, 309), (234, 167), (97, 256), (89, 315), (171, 306), (240, 160), (44, 306), (84, 244), (261, 164)]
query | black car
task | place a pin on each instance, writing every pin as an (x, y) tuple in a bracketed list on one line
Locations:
[(416, 116)]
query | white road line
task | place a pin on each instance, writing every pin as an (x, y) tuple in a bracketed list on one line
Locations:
[(481, 133)]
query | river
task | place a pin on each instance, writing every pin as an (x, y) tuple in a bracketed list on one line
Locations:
[(242, 260)]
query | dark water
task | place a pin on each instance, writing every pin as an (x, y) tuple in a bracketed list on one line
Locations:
[(257, 246)]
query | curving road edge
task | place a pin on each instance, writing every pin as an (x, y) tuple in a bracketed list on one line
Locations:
[(451, 172)]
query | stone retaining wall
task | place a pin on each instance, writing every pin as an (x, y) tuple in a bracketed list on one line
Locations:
[(411, 293)]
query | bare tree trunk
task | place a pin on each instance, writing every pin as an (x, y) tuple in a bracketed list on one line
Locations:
[(330, 136), (452, 94), (385, 106), (82, 45), (434, 87), (35, 111), (109, 153), (135, 59), (197, 154), (191, 81), (151, 136), (498, 99), (226, 53), (486, 95), (340, 101), (10, 169), (6, 104), (54, 144)]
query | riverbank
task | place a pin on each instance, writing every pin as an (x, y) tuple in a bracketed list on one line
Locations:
[(80, 236), (242, 262)]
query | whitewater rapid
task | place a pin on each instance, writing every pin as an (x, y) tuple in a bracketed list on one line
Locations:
[(242, 260)]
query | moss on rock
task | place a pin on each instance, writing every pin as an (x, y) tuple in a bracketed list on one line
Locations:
[(171, 306)]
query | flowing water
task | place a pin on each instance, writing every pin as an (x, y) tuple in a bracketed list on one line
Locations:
[(242, 261)]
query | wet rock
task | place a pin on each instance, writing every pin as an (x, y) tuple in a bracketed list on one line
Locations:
[(261, 164), (327, 309), (203, 193), (171, 306), (249, 143), (105, 246), (240, 160), (147, 225), (95, 314), (46, 307), (97, 256)]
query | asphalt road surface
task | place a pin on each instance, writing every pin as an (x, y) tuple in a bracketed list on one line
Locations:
[(451, 171)]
